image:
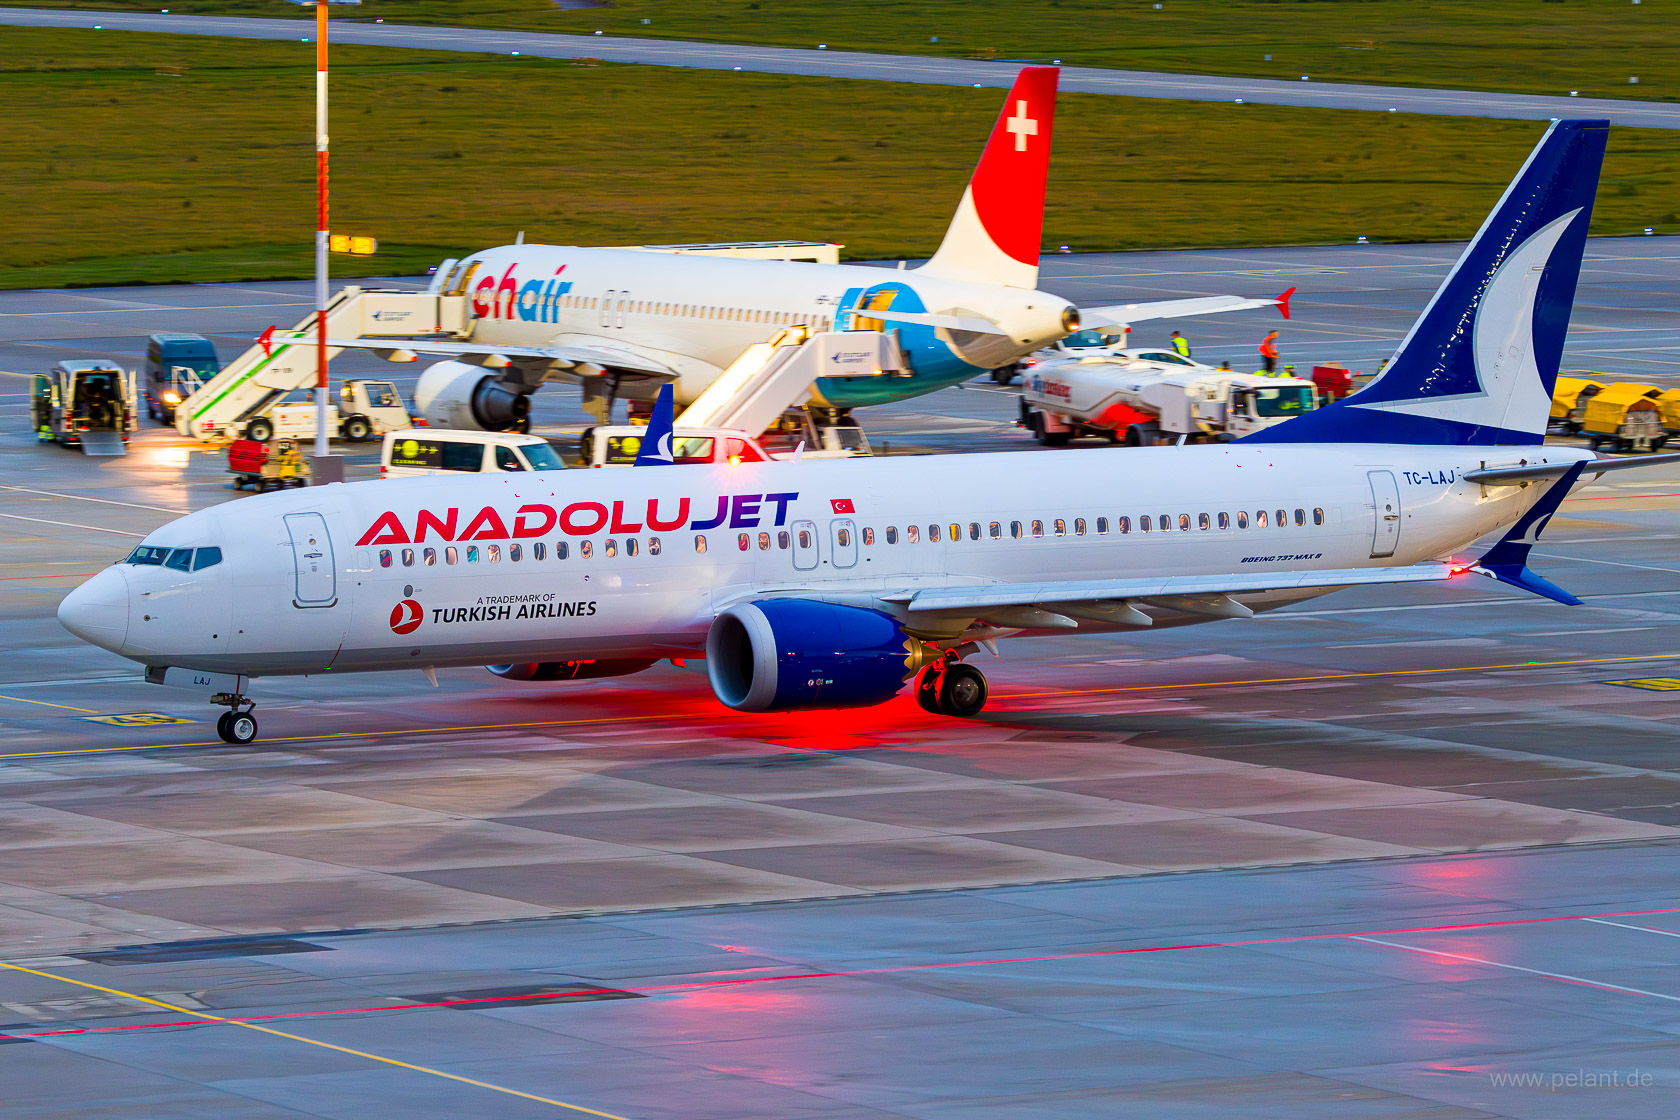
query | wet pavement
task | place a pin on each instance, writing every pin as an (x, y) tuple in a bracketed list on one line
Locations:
[(681, 911)]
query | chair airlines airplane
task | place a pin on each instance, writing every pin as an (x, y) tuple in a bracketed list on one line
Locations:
[(610, 316), (831, 584)]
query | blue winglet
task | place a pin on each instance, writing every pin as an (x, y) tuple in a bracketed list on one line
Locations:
[(656, 444), (1507, 561)]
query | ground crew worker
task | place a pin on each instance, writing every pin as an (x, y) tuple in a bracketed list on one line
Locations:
[(1180, 345), (1269, 352), (1225, 366)]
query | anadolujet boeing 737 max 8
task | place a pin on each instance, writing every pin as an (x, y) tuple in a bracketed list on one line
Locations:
[(833, 583)]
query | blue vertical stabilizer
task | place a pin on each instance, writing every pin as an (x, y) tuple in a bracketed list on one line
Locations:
[(656, 444)]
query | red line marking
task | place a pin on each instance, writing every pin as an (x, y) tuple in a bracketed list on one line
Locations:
[(841, 973)]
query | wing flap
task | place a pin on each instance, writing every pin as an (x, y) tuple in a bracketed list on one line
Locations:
[(982, 596), (607, 356)]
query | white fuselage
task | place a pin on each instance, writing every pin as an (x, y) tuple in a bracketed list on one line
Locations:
[(421, 572), (696, 314)]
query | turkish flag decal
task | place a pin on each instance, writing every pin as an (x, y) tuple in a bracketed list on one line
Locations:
[(842, 505)]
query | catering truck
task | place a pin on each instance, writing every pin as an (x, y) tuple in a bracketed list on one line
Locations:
[(1142, 402)]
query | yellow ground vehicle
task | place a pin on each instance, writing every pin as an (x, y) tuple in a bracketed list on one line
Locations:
[(1569, 402), (1668, 405), (1626, 416)]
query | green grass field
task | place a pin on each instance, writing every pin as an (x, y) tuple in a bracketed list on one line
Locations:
[(140, 157), (1529, 46)]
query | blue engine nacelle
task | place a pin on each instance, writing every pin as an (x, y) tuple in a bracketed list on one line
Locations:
[(780, 655)]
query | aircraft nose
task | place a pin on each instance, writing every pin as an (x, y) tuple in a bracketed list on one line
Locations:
[(97, 611)]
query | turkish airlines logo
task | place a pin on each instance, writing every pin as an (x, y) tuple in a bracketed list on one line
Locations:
[(406, 616)]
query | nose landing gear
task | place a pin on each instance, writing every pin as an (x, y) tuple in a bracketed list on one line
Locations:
[(236, 725), (952, 689)]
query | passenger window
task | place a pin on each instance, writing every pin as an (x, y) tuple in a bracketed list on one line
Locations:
[(1300, 517), (539, 551), (892, 534), (956, 533), (912, 533), (1122, 524), (1060, 527), (1242, 519), (1224, 521), (782, 540), (804, 538), (1282, 519), (429, 557), (210, 557), (506, 460), (1260, 519), (1079, 526), (1102, 526), (653, 546), (933, 534), (699, 543), (995, 529), (385, 558), (494, 553), (1318, 517), (514, 553), (868, 535), (842, 538), (408, 557), (764, 542), (1014, 530), (586, 549), (974, 530), (560, 550), (1143, 523), (180, 560), (462, 456), (1038, 528), (1203, 521), (1184, 522), (630, 546), (745, 541), (450, 555), (1166, 522), (472, 554), (609, 552)]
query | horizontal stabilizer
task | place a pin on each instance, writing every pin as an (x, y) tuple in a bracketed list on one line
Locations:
[(1124, 314), (1493, 476), (1507, 561)]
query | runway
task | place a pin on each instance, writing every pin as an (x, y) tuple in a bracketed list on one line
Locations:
[(882, 67), (1395, 852)]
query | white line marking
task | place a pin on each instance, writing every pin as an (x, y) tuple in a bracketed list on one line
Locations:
[(107, 501), (71, 525), (1624, 925), (1519, 968)]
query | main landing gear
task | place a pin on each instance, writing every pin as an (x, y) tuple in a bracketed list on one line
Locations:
[(236, 725), (952, 689)]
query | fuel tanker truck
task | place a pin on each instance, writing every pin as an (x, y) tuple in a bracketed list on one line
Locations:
[(1142, 402)]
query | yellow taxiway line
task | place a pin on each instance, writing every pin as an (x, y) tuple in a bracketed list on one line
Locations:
[(44, 704), (316, 1042)]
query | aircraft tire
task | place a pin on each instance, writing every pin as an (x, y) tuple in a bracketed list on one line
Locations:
[(927, 689), (1057, 439), (962, 691), (237, 728)]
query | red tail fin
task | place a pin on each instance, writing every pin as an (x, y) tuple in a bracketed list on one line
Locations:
[(994, 237)]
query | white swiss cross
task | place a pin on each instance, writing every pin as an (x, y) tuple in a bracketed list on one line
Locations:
[(1021, 125)]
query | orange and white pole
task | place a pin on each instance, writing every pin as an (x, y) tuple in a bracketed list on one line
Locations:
[(321, 237)]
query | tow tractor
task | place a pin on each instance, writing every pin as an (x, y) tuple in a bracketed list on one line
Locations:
[(86, 404), (1136, 398), (365, 409)]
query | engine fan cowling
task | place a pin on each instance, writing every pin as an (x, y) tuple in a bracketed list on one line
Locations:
[(572, 670), (782, 655), (461, 395)]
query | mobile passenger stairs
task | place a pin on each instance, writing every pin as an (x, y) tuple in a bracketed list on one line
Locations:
[(283, 362)]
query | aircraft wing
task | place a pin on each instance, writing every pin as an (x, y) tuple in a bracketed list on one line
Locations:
[(1494, 476), (1122, 314), (605, 355), (1206, 595)]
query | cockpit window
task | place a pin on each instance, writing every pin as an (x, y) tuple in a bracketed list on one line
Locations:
[(148, 554), (207, 557), (180, 560)]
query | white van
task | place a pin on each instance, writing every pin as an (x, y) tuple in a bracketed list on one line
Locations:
[(415, 451)]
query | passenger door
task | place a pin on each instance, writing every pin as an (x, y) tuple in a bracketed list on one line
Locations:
[(606, 308), (1385, 502), (843, 549), (315, 572)]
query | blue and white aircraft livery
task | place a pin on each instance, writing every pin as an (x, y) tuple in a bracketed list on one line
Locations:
[(834, 583), (643, 318)]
